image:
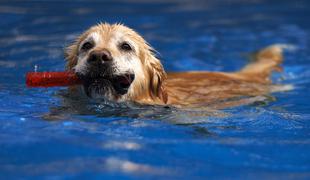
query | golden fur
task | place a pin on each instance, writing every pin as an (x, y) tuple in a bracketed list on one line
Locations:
[(186, 89)]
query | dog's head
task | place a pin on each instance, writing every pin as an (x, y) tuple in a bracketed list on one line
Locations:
[(116, 63)]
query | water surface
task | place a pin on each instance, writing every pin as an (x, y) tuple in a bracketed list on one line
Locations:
[(268, 139)]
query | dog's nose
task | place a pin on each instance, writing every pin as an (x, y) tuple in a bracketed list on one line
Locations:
[(100, 56)]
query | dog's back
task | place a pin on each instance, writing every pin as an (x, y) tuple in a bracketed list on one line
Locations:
[(220, 90)]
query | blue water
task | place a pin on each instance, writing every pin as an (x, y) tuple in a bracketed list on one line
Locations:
[(45, 133)]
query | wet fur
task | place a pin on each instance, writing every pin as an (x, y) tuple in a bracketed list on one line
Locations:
[(189, 89)]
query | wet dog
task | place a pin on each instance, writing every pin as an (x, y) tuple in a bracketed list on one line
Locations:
[(115, 63)]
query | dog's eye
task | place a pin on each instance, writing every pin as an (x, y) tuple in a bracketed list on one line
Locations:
[(87, 46), (125, 46)]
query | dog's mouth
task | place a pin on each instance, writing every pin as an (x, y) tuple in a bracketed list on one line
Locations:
[(122, 83), (102, 84)]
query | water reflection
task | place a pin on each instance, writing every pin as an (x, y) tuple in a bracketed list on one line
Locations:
[(74, 166), (124, 145), (78, 104)]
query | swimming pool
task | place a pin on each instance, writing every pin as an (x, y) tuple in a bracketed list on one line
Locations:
[(86, 139)]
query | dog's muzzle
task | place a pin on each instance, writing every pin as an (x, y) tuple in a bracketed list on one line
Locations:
[(101, 78)]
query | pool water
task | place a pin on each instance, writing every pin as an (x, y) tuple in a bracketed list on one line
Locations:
[(46, 133)]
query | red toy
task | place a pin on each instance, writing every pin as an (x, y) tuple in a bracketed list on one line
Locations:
[(50, 79)]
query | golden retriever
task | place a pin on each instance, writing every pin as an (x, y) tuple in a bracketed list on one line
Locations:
[(117, 64)]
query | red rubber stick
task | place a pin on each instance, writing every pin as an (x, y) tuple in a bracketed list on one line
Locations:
[(50, 79)]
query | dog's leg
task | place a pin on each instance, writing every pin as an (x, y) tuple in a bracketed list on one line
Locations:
[(265, 61)]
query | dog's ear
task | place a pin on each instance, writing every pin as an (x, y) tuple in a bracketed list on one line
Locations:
[(70, 54), (157, 76)]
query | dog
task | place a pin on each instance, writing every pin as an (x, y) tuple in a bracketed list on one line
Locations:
[(115, 63)]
